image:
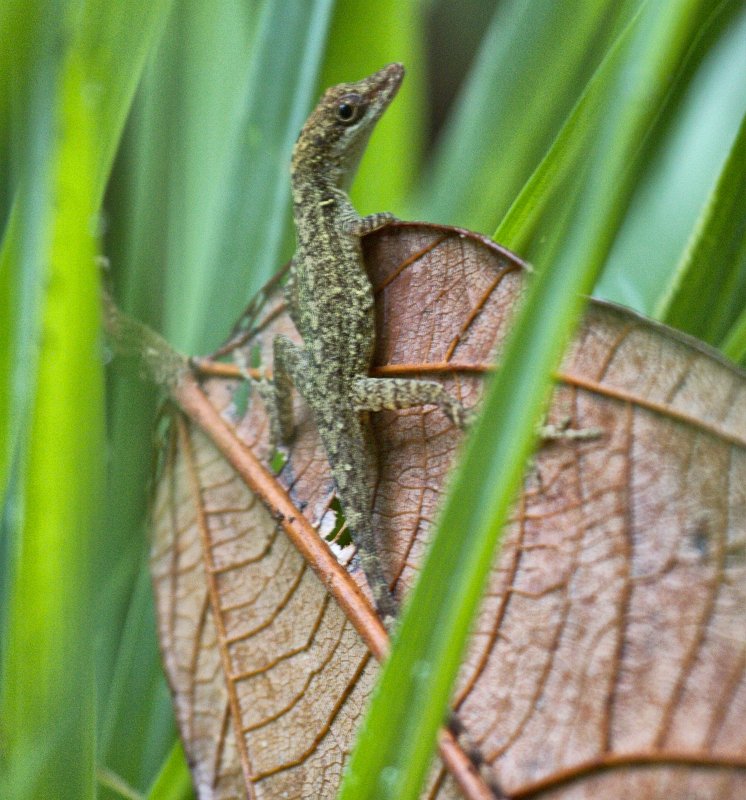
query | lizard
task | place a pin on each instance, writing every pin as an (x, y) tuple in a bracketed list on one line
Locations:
[(330, 301)]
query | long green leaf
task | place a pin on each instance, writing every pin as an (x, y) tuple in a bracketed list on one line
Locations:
[(136, 675), (163, 173), (567, 156), (395, 744), (107, 47), (112, 42), (29, 114), (22, 256), (708, 292), (47, 697), (115, 39)]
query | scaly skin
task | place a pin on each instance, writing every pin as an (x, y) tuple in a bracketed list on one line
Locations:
[(331, 303)]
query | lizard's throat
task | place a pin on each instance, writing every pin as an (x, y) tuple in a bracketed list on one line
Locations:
[(309, 189)]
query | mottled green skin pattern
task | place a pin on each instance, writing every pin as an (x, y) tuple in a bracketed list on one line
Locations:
[(331, 303)]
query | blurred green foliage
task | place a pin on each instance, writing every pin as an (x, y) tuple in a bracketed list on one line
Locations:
[(603, 140)]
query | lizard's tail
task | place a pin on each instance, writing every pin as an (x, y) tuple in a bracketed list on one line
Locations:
[(370, 560), (384, 600), (352, 459)]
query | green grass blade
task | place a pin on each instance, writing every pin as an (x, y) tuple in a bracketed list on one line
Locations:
[(107, 47), (28, 109), (22, 274), (527, 219), (114, 783), (173, 781), (708, 292), (47, 693), (19, 23), (567, 155), (395, 743), (111, 75), (176, 168), (138, 698)]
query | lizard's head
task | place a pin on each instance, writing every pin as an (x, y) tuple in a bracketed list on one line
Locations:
[(334, 136)]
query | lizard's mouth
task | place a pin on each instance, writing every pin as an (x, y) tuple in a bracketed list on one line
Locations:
[(386, 84)]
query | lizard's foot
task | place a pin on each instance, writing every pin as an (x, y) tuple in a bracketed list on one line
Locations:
[(461, 416), (563, 432), (361, 225)]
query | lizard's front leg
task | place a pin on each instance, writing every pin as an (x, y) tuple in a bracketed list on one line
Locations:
[(376, 394), (359, 226), (352, 223)]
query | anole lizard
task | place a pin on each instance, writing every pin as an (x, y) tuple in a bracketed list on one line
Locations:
[(330, 300)]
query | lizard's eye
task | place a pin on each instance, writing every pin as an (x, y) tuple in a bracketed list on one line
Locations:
[(350, 108)]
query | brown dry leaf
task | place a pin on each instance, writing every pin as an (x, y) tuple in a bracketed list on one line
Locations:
[(609, 656)]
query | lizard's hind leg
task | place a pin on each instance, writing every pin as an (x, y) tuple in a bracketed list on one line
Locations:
[(376, 394), (277, 393)]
